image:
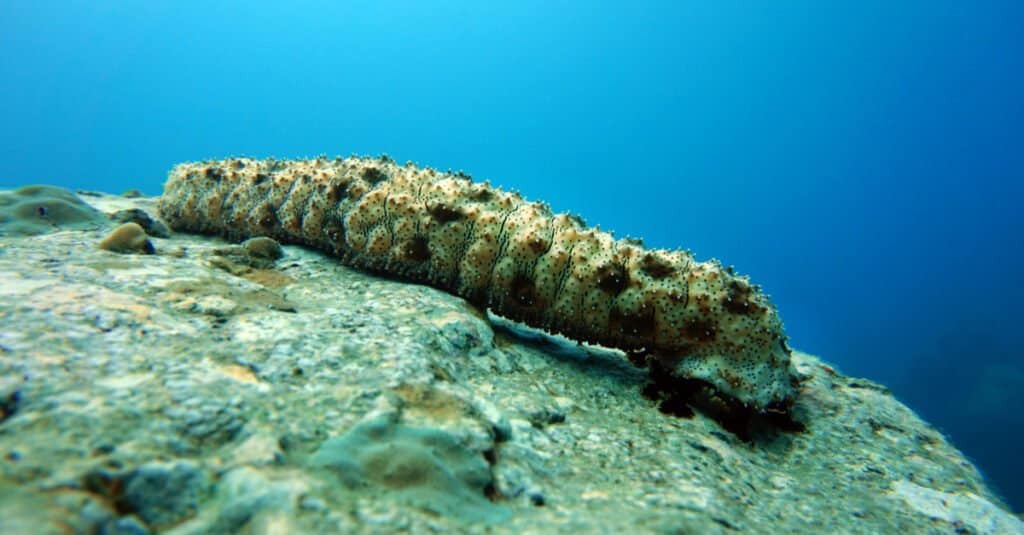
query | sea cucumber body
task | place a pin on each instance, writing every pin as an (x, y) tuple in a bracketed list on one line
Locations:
[(697, 319)]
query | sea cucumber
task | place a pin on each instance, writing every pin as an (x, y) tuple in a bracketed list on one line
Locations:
[(695, 320)]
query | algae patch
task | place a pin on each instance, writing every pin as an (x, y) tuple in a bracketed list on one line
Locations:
[(425, 468)]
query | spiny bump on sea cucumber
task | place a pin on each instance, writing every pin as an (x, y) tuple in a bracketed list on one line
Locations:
[(696, 320)]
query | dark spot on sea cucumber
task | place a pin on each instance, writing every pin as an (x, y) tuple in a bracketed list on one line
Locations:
[(700, 330), (374, 175), (214, 173), (631, 324), (417, 250), (336, 191), (655, 267), (335, 232), (268, 219), (737, 299), (612, 278), (260, 178), (539, 245), (523, 290), (481, 195), (731, 379), (443, 213)]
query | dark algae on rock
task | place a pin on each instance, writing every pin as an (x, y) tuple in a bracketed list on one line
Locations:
[(697, 321)]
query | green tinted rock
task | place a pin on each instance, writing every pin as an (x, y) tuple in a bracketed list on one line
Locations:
[(40, 209), (427, 468)]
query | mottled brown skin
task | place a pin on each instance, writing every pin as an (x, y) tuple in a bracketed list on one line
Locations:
[(695, 320)]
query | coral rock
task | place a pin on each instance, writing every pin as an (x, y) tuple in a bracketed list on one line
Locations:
[(128, 238), (32, 210)]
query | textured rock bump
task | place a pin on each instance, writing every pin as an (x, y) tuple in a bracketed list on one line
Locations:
[(38, 209)]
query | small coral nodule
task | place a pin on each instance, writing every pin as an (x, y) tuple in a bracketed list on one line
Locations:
[(128, 238), (693, 320)]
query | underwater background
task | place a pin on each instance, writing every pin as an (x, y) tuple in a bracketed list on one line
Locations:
[(862, 161)]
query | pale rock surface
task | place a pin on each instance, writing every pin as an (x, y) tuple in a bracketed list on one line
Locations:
[(195, 391)]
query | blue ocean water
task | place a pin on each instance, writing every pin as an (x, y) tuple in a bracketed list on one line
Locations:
[(862, 161)]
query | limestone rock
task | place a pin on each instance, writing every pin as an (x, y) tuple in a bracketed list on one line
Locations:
[(117, 384)]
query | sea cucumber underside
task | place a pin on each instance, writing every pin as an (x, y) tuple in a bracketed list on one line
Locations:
[(695, 320)]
